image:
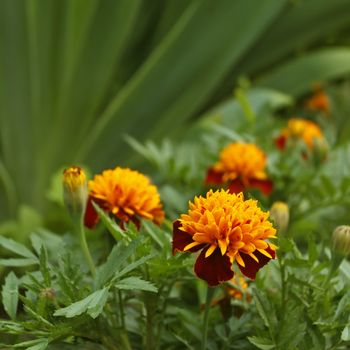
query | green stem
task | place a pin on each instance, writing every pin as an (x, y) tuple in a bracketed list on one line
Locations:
[(121, 309), (85, 248), (210, 294)]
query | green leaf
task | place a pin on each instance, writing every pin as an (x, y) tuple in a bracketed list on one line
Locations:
[(113, 228), (10, 295), (134, 265), (93, 305), (314, 68), (345, 335), (262, 343), (36, 344), (16, 248), (18, 262), (119, 254), (132, 283)]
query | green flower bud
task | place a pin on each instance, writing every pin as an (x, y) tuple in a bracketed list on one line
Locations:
[(341, 240), (279, 213)]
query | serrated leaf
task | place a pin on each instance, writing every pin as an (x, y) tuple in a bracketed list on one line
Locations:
[(10, 295), (93, 304), (18, 262), (119, 254), (262, 343), (132, 283), (16, 248), (133, 265), (113, 228)]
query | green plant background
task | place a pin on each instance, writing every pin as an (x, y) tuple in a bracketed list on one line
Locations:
[(77, 75)]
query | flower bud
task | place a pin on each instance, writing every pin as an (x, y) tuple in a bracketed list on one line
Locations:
[(75, 191), (48, 293), (320, 150), (341, 240), (279, 213)]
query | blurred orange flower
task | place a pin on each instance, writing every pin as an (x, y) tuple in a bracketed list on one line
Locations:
[(300, 129), (241, 166), (225, 228), (237, 288), (319, 101), (127, 194)]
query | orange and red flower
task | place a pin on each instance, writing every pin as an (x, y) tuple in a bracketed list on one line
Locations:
[(300, 129), (125, 193), (225, 228), (319, 101), (241, 166)]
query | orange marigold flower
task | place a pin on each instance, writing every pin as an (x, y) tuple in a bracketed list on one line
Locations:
[(300, 129), (127, 194), (241, 166), (225, 228), (319, 101), (237, 287)]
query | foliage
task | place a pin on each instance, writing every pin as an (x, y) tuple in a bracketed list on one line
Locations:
[(143, 297), (77, 75)]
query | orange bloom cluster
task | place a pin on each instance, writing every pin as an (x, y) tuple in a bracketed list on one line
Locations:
[(300, 129), (237, 288), (319, 101), (125, 193), (226, 229), (241, 166)]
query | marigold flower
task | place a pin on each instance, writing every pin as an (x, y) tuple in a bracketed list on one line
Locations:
[(225, 228), (319, 101), (237, 287), (75, 191), (241, 166), (127, 194), (300, 129)]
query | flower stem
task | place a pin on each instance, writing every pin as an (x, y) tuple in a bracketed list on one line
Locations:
[(210, 294), (85, 249)]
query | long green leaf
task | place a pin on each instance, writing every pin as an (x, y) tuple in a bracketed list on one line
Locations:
[(299, 75)]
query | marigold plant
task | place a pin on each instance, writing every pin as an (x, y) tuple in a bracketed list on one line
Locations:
[(225, 228), (241, 166), (125, 193), (300, 129)]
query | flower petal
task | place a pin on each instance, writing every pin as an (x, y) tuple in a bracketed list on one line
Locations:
[(214, 269), (265, 186), (182, 239), (90, 217), (236, 186), (251, 266), (213, 177), (281, 142)]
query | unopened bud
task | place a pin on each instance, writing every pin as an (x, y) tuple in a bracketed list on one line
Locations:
[(320, 150), (279, 213), (341, 240), (48, 293), (75, 191)]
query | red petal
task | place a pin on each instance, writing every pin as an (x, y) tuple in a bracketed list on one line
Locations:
[(90, 218), (281, 142), (214, 269), (213, 177), (251, 266), (265, 186), (236, 186), (181, 239)]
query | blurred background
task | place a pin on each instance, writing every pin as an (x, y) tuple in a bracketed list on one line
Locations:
[(88, 82)]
